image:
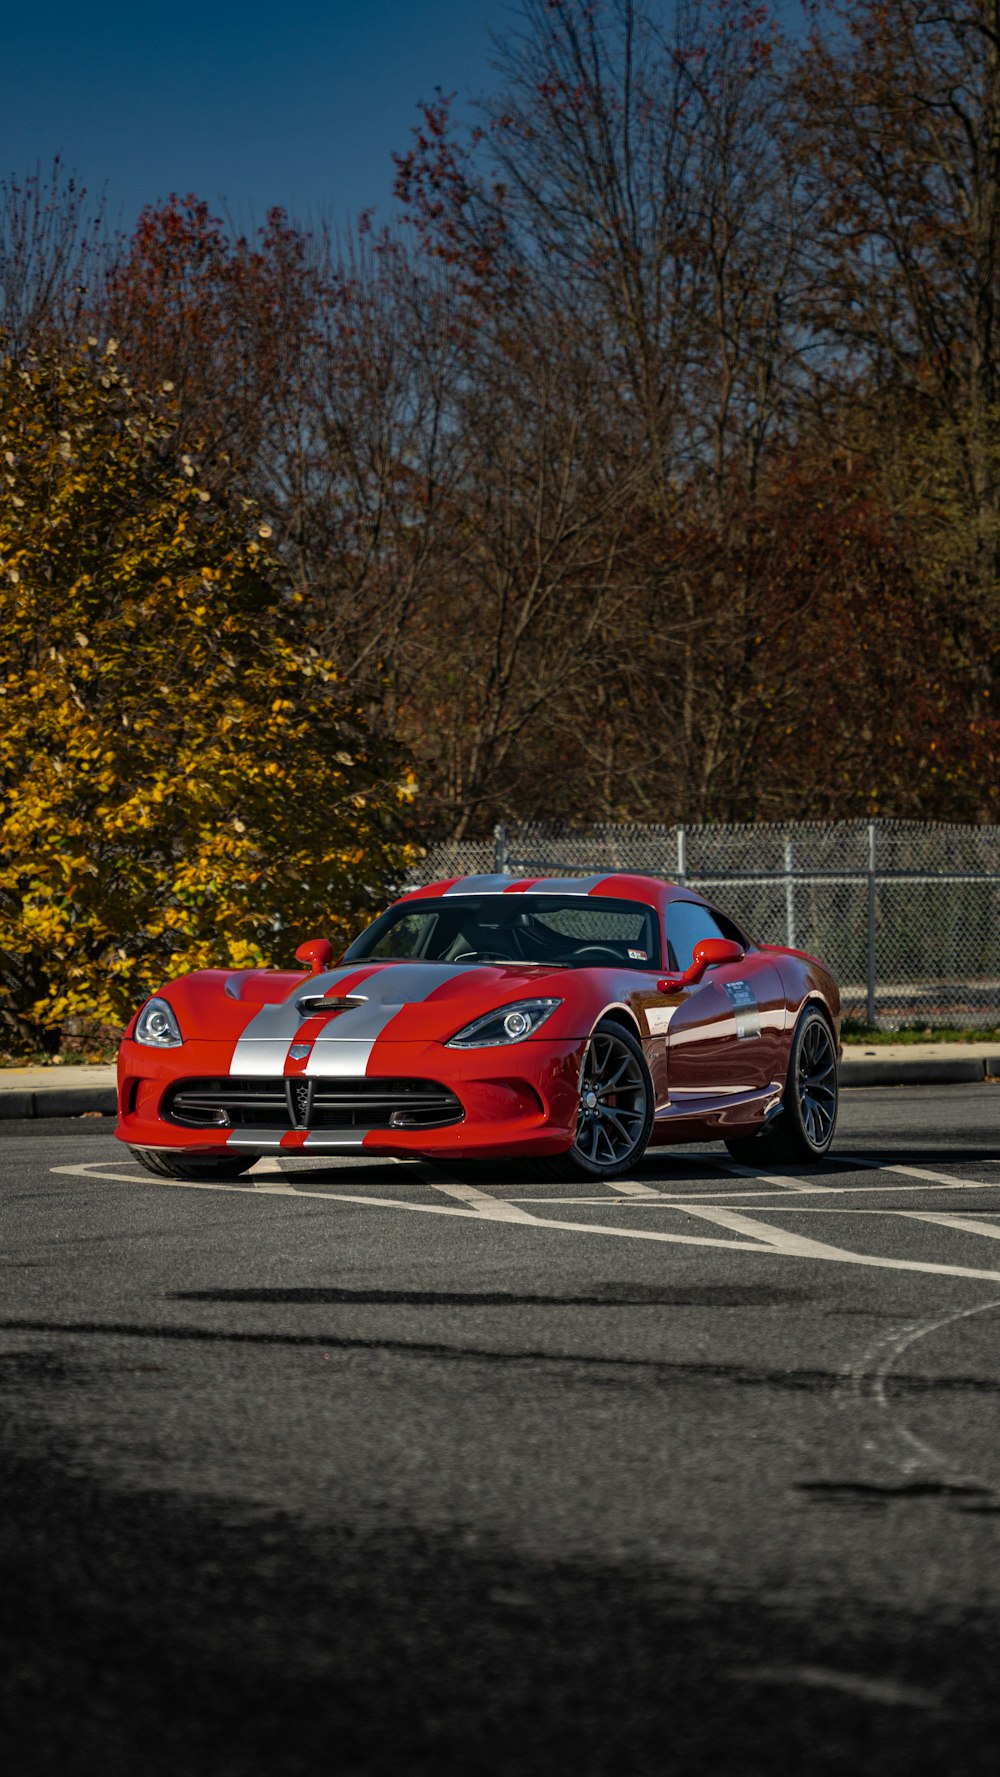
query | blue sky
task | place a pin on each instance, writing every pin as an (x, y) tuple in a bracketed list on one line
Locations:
[(295, 102)]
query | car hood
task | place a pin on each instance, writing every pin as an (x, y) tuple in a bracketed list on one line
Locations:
[(356, 1002)]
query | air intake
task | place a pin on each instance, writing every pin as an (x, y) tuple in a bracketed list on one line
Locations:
[(312, 1005)]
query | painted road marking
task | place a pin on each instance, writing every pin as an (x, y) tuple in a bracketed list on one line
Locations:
[(921, 1172), (780, 1238), (269, 1170), (735, 1168), (626, 1187), (752, 1236), (966, 1224), (497, 1209), (778, 1179)]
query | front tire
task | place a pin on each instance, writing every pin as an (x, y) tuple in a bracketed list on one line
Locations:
[(616, 1107), (169, 1163), (804, 1129)]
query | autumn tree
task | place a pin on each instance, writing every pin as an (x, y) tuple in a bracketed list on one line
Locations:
[(898, 109), (633, 199), (183, 780), (55, 253)]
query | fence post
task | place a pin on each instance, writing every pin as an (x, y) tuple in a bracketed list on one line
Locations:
[(789, 895), (681, 855), (500, 849), (870, 972)]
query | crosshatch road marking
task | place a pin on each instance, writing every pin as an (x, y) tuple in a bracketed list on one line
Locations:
[(965, 1224), (920, 1172), (627, 1187), (744, 1234), (498, 1209)]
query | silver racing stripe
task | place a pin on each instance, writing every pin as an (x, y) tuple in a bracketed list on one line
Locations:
[(263, 1047), (480, 885), (335, 1139), (549, 885), (568, 885), (344, 1046)]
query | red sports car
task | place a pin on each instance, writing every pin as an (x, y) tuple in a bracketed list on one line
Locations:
[(579, 1018)]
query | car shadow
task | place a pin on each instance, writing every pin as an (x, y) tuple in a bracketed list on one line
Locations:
[(150, 1631)]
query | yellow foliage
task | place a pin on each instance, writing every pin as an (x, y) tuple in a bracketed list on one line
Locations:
[(173, 786)]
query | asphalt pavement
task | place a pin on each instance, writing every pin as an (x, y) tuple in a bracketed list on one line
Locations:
[(391, 1468)]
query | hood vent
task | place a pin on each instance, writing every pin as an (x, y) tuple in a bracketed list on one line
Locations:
[(313, 1005)]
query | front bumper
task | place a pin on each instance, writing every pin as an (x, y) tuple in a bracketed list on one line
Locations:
[(520, 1099)]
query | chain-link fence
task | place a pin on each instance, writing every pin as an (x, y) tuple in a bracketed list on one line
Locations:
[(907, 914)]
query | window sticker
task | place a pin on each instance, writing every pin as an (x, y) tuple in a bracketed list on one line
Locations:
[(639, 956), (741, 993), (744, 1004)]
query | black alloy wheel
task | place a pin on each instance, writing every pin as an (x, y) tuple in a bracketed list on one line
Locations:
[(804, 1128), (174, 1163), (616, 1106)]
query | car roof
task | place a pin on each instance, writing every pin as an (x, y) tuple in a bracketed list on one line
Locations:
[(653, 890)]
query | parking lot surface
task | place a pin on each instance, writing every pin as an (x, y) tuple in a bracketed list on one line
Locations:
[(411, 1469)]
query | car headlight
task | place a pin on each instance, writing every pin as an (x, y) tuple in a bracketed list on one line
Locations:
[(512, 1024), (158, 1026)]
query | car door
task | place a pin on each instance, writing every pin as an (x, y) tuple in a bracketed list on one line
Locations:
[(727, 1033)]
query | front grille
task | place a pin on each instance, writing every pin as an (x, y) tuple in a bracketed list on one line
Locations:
[(301, 1103)]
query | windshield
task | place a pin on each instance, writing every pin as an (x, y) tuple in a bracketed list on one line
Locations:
[(574, 931)]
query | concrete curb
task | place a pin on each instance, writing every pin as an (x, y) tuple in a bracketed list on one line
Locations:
[(963, 1071), (58, 1101), (26, 1094)]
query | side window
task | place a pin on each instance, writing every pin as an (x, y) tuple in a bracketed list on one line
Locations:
[(687, 924)]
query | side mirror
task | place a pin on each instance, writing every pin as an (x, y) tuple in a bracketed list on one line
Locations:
[(708, 953), (316, 953)]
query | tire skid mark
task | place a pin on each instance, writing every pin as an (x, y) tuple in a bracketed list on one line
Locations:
[(865, 1385)]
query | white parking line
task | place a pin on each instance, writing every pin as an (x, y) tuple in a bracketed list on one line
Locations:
[(921, 1172), (497, 1209), (668, 1198), (778, 1179), (626, 1187), (780, 1240), (271, 1170), (736, 1169), (967, 1224), (753, 1236)]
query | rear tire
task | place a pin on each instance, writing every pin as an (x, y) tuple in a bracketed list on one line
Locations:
[(804, 1128), (169, 1163)]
